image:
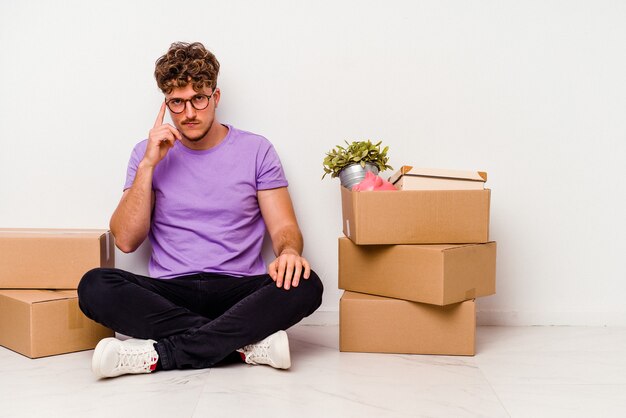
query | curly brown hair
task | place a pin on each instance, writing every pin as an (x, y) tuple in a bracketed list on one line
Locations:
[(186, 63)]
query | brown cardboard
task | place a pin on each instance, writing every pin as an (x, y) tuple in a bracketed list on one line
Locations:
[(409, 178), (52, 258), (38, 323), (436, 274), (416, 216), (375, 324)]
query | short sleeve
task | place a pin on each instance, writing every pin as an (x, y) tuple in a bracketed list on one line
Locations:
[(270, 174), (133, 163)]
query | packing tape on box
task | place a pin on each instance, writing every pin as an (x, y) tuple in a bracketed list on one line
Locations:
[(470, 294), (75, 317)]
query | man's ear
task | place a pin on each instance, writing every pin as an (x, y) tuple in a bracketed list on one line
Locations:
[(217, 94)]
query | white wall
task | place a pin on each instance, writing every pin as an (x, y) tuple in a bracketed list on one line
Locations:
[(533, 92)]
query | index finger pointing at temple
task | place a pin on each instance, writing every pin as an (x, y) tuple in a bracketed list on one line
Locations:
[(159, 120)]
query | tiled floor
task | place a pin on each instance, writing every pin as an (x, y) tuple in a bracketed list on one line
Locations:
[(518, 372)]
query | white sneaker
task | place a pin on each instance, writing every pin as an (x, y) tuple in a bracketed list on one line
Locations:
[(114, 357), (273, 351)]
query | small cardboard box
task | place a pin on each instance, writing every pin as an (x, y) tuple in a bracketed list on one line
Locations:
[(52, 258), (416, 216), (374, 324), (437, 274), (38, 323), (409, 178)]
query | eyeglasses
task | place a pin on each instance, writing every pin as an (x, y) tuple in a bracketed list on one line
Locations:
[(198, 102)]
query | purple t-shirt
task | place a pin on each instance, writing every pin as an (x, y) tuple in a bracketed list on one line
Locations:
[(206, 216)]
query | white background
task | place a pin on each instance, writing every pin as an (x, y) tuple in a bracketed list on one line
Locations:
[(533, 92)]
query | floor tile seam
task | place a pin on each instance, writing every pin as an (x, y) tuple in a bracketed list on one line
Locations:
[(560, 384), (620, 327), (551, 383), (535, 351), (493, 390), (201, 392), (416, 385), (360, 401)]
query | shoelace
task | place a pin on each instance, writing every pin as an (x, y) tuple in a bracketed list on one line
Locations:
[(136, 359), (257, 351)]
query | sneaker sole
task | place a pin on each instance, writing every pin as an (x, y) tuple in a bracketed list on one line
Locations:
[(96, 360)]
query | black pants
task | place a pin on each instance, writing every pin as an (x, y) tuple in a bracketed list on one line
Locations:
[(197, 320)]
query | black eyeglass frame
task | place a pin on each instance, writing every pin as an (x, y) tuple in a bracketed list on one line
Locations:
[(167, 102)]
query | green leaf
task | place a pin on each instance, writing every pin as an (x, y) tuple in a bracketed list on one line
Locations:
[(360, 152)]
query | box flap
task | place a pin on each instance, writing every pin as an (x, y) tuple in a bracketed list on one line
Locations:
[(427, 247), (38, 296), (448, 247), (48, 232), (403, 170), (347, 295), (408, 170)]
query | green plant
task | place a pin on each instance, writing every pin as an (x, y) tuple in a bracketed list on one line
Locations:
[(357, 152)]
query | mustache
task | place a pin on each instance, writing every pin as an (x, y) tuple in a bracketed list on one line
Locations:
[(187, 121)]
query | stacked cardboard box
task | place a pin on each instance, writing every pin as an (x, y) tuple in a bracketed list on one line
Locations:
[(39, 272), (412, 264)]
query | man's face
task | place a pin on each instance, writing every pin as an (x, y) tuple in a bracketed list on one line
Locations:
[(193, 124)]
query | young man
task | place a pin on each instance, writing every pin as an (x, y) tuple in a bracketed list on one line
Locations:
[(204, 193)]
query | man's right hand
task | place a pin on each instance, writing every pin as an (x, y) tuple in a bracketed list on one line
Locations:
[(160, 140)]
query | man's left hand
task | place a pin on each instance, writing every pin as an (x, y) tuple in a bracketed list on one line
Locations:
[(286, 270)]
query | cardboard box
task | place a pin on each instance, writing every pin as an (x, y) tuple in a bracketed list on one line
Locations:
[(52, 258), (38, 323), (409, 178), (416, 216), (375, 324), (436, 274)]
